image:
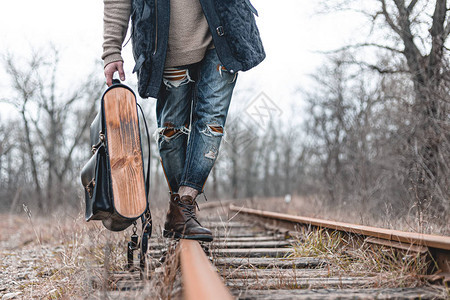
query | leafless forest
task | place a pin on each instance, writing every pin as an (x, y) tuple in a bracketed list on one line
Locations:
[(376, 137)]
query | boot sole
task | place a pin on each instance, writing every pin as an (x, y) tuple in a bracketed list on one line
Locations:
[(177, 235)]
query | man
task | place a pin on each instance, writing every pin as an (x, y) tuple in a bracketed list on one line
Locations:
[(187, 54)]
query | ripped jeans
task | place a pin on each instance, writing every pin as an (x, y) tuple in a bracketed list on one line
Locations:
[(191, 110)]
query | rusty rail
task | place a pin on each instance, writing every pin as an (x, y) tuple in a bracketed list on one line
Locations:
[(200, 280), (439, 246)]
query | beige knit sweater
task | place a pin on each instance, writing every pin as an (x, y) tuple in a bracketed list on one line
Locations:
[(189, 36)]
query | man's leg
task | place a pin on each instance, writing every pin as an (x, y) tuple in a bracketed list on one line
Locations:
[(173, 114), (173, 109), (214, 86), (213, 95)]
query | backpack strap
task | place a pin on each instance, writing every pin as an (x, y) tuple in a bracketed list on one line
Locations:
[(146, 218)]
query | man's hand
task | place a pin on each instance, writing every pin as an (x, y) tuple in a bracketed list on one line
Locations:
[(111, 68)]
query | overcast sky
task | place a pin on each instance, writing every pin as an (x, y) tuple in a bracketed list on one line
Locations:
[(290, 29)]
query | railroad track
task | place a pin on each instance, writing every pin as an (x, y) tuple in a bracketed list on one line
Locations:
[(259, 255)]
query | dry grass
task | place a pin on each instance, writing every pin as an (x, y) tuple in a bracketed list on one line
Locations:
[(351, 255), (60, 256), (63, 257)]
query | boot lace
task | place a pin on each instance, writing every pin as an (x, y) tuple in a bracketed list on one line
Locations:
[(189, 211)]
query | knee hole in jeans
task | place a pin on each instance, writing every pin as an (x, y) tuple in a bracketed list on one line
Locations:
[(170, 131), (213, 130)]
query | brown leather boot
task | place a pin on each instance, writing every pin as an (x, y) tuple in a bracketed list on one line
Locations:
[(181, 222)]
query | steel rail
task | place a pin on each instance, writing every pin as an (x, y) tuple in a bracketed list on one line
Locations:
[(429, 240), (200, 280), (439, 246)]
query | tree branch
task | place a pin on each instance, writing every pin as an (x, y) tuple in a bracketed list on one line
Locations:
[(94, 93), (446, 30), (389, 19), (437, 38), (411, 5), (361, 45), (379, 69)]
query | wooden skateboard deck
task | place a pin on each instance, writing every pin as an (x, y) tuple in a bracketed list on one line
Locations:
[(125, 155)]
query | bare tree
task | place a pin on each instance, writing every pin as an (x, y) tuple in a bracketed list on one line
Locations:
[(7, 171), (54, 121), (353, 135), (329, 111), (414, 35)]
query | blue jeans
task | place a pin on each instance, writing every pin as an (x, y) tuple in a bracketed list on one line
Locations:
[(191, 110)]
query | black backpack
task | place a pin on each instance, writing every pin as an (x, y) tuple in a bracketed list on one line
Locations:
[(96, 175)]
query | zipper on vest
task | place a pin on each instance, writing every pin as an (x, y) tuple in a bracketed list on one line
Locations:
[(156, 27)]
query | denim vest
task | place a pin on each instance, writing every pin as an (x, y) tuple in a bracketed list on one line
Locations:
[(232, 25)]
